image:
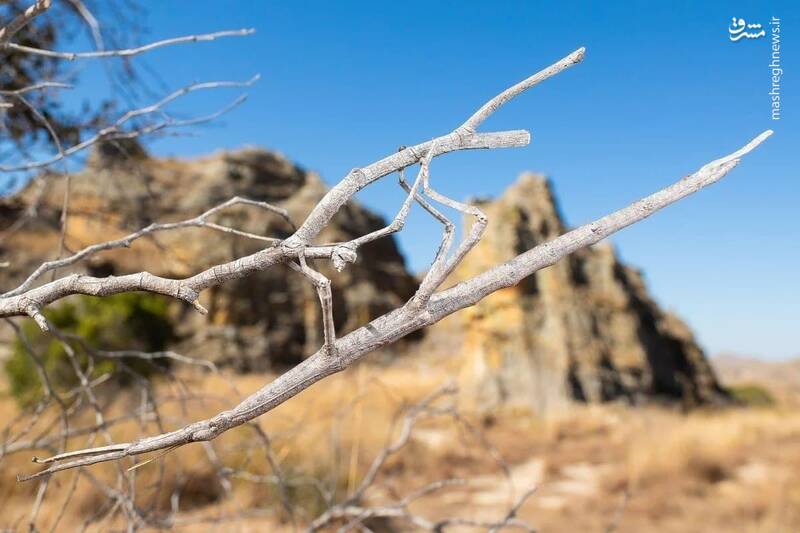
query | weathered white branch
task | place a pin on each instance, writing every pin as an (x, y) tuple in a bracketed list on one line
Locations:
[(462, 138), (359, 178), (188, 289), (501, 99), (430, 307), (126, 241), (399, 323), (522, 266)]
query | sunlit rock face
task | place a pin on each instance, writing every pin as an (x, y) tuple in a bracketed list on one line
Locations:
[(583, 329)]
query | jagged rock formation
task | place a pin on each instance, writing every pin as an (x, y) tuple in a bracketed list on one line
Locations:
[(583, 329), (271, 319)]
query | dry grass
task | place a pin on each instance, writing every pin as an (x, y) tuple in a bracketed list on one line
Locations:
[(330, 433), (731, 470), (707, 446)]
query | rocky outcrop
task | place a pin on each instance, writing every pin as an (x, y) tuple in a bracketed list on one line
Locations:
[(270, 319), (584, 329)]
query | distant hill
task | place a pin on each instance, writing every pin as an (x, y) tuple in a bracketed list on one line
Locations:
[(782, 377)]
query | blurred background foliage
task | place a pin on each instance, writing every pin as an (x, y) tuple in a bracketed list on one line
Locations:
[(134, 321)]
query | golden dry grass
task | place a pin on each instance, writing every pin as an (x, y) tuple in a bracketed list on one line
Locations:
[(728, 470)]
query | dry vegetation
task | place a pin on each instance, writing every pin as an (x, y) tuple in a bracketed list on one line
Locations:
[(596, 468)]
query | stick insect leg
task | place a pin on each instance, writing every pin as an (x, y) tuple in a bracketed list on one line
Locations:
[(323, 286), (399, 220), (442, 266), (449, 227)]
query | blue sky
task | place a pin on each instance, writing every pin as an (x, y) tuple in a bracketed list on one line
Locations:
[(662, 91)]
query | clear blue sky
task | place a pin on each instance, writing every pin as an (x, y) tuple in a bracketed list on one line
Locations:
[(662, 91)]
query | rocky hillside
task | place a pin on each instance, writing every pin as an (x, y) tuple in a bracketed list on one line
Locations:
[(583, 329)]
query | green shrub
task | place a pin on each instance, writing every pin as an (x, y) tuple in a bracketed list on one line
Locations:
[(752, 395), (135, 321)]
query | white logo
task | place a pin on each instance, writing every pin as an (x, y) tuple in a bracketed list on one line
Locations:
[(737, 27)]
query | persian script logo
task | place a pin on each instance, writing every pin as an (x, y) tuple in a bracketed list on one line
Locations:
[(737, 30)]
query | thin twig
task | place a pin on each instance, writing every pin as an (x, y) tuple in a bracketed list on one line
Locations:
[(116, 131), (128, 52), (126, 241)]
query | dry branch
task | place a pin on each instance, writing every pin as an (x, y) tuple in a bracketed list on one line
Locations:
[(127, 52), (199, 221), (426, 308), (117, 131)]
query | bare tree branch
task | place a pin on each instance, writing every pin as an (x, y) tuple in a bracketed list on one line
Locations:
[(473, 122), (126, 241), (37, 87), (127, 52), (428, 308), (116, 131)]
